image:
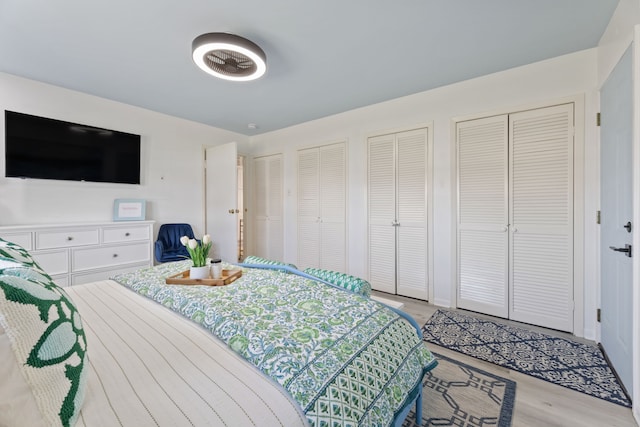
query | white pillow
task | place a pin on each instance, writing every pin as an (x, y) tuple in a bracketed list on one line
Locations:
[(45, 334), (18, 407)]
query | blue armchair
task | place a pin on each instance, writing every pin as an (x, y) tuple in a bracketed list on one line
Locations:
[(168, 247)]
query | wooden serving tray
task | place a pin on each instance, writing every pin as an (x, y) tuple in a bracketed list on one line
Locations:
[(228, 276)]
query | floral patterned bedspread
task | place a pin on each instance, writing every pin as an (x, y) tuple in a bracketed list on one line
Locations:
[(346, 359)]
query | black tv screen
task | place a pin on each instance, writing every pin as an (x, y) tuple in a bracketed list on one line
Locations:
[(39, 147)]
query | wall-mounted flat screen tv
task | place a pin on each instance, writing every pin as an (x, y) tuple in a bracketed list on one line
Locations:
[(43, 148)]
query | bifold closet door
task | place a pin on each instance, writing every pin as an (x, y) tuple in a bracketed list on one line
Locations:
[(268, 230), (398, 240), (541, 216), (515, 216), (483, 221), (322, 207)]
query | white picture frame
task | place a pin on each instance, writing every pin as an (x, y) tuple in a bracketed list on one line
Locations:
[(129, 209)]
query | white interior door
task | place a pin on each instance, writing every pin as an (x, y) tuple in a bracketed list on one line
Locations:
[(616, 300), (260, 189), (483, 222), (333, 205), (308, 208), (275, 222), (268, 222), (382, 213), (541, 216), (412, 243), (221, 195)]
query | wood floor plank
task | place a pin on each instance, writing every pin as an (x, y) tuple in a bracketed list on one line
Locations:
[(538, 403)]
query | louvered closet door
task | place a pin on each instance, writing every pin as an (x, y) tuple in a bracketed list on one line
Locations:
[(260, 185), (541, 207), (333, 240), (308, 208), (382, 210), (275, 227), (268, 242), (412, 279), (483, 216)]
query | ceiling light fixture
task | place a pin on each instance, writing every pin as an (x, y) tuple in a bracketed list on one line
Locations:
[(229, 57)]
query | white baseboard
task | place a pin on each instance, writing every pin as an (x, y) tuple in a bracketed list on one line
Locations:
[(442, 303)]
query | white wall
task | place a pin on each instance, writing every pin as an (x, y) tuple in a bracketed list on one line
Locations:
[(172, 160), (546, 81), (617, 37), (172, 157)]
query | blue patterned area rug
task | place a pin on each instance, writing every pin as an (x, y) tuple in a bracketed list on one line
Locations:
[(574, 365), (456, 394)]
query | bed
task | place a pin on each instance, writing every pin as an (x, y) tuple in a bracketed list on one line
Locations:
[(277, 347)]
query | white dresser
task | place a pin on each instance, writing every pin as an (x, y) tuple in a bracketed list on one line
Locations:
[(77, 253)]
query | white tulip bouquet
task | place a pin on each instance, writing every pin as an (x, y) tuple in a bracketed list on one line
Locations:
[(198, 251)]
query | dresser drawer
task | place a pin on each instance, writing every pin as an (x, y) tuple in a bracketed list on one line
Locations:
[(67, 238), (95, 276), (22, 239), (53, 262), (125, 234), (108, 256), (61, 280)]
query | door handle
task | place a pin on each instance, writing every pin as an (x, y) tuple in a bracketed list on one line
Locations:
[(626, 249)]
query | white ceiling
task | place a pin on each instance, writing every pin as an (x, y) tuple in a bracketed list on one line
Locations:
[(323, 57)]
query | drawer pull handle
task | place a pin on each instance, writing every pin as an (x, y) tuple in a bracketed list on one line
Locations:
[(115, 255), (127, 234), (70, 238)]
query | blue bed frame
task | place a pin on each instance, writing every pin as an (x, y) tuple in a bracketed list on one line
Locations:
[(415, 396)]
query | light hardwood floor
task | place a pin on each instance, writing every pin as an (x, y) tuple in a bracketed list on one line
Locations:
[(538, 403)]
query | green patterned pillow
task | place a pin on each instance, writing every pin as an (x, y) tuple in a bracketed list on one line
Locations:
[(12, 255), (252, 259), (45, 333), (351, 283)]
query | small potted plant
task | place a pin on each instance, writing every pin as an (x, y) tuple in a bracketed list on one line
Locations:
[(198, 252)]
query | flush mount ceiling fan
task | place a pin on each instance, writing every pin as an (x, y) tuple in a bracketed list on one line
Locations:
[(229, 56)]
